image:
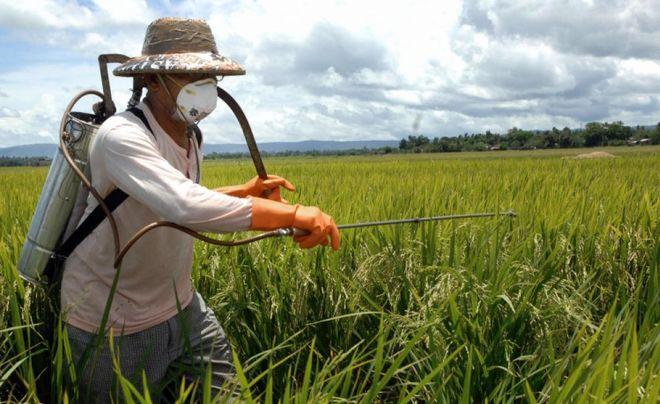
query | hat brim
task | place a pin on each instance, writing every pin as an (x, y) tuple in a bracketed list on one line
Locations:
[(179, 63)]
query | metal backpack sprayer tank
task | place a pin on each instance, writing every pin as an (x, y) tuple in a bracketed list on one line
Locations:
[(63, 197)]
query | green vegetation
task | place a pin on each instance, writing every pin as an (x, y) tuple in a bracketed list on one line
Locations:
[(315, 153), (594, 134), (24, 161), (559, 304)]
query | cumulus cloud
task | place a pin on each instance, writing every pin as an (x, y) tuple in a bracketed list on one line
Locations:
[(329, 60), (96, 27), (574, 60), (330, 46), (620, 28), (9, 113)]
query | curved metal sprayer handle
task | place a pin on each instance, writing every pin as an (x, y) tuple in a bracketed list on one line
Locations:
[(109, 108), (247, 132)]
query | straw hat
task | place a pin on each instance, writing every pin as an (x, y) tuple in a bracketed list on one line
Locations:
[(178, 45)]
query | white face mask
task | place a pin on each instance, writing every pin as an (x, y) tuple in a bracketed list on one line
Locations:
[(196, 100)]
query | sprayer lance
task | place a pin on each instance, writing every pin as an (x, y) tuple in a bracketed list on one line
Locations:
[(297, 232)]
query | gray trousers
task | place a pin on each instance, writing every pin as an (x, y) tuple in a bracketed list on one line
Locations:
[(188, 345)]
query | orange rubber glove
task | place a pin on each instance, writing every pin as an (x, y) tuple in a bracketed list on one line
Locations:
[(319, 227), (257, 187)]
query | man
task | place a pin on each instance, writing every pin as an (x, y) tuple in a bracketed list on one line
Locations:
[(158, 321)]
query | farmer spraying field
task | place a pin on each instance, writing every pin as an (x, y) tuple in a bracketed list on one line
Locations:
[(418, 305), (150, 154)]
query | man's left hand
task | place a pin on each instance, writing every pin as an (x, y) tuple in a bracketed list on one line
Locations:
[(259, 187)]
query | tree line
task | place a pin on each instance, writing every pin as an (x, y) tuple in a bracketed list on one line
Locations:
[(594, 134), (24, 161)]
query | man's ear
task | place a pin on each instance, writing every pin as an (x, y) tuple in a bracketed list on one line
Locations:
[(151, 83)]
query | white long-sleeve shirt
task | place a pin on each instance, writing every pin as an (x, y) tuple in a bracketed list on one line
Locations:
[(158, 175)]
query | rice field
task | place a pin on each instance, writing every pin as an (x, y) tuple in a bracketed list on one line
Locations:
[(560, 304)]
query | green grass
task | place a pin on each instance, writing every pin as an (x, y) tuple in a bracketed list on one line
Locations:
[(559, 304)]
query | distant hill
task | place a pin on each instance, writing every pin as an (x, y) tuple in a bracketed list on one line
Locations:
[(48, 149), (30, 150), (307, 145)]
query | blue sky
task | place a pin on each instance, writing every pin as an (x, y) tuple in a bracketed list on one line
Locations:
[(349, 70)]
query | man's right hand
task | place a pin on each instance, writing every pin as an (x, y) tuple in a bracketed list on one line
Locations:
[(320, 228), (319, 225)]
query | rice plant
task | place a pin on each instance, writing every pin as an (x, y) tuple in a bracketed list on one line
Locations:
[(559, 304)]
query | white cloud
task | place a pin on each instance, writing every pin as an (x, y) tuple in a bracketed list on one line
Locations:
[(42, 15), (6, 112), (621, 28), (102, 26)]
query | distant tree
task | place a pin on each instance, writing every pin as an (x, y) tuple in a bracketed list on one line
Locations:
[(618, 131), (640, 132), (565, 138), (421, 140), (595, 134), (518, 138), (656, 134), (551, 138), (491, 139), (537, 141)]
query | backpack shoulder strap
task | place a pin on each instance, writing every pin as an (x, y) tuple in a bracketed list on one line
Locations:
[(138, 113), (112, 201), (198, 135), (91, 222)]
